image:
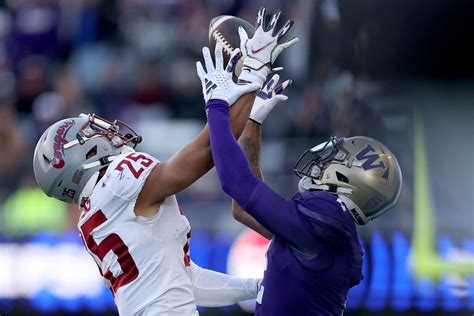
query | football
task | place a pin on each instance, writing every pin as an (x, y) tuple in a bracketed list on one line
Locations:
[(224, 29)]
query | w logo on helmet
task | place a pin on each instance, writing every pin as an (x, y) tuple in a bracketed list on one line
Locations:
[(370, 156)]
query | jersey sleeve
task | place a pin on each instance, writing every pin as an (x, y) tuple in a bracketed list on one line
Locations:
[(325, 216), (213, 289), (307, 221), (127, 174), (281, 217), (276, 214)]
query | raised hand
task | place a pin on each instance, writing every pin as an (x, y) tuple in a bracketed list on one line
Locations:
[(261, 51), (216, 81), (267, 98)]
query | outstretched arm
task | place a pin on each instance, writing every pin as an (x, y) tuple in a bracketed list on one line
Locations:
[(281, 217), (253, 195), (195, 159), (249, 141)]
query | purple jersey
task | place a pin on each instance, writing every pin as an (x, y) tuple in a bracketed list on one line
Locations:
[(314, 257), (309, 271)]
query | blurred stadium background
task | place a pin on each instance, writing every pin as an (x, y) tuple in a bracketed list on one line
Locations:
[(397, 70)]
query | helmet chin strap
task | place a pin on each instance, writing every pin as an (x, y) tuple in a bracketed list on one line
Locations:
[(108, 159), (306, 184), (88, 188), (355, 211)]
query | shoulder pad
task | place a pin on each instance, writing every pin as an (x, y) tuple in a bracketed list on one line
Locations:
[(127, 174), (323, 208)]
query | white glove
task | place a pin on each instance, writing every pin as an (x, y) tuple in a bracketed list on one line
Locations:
[(267, 98), (261, 51), (217, 82)]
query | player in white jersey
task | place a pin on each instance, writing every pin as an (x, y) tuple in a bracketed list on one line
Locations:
[(149, 254), (141, 247), (130, 221)]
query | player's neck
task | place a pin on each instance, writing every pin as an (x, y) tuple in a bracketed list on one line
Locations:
[(101, 174)]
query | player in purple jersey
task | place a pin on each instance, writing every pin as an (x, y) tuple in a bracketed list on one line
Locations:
[(314, 257)]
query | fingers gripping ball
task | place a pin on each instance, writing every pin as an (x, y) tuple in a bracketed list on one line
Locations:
[(223, 29), (262, 49)]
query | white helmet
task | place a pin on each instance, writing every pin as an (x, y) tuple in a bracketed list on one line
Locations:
[(70, 154), (360, 170)]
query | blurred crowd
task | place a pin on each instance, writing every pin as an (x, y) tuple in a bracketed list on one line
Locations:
[(133, 59)]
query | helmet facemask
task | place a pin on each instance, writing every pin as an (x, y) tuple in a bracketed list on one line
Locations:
[(313, 162), (117, 132)]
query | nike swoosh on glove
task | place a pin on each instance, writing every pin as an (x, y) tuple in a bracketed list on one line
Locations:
[(261, 51)]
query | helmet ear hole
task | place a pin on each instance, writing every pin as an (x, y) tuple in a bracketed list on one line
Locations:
[(341, 177), (46, 160), (91, 153)]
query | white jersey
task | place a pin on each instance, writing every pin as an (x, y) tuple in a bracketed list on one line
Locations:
[(144, 261)]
